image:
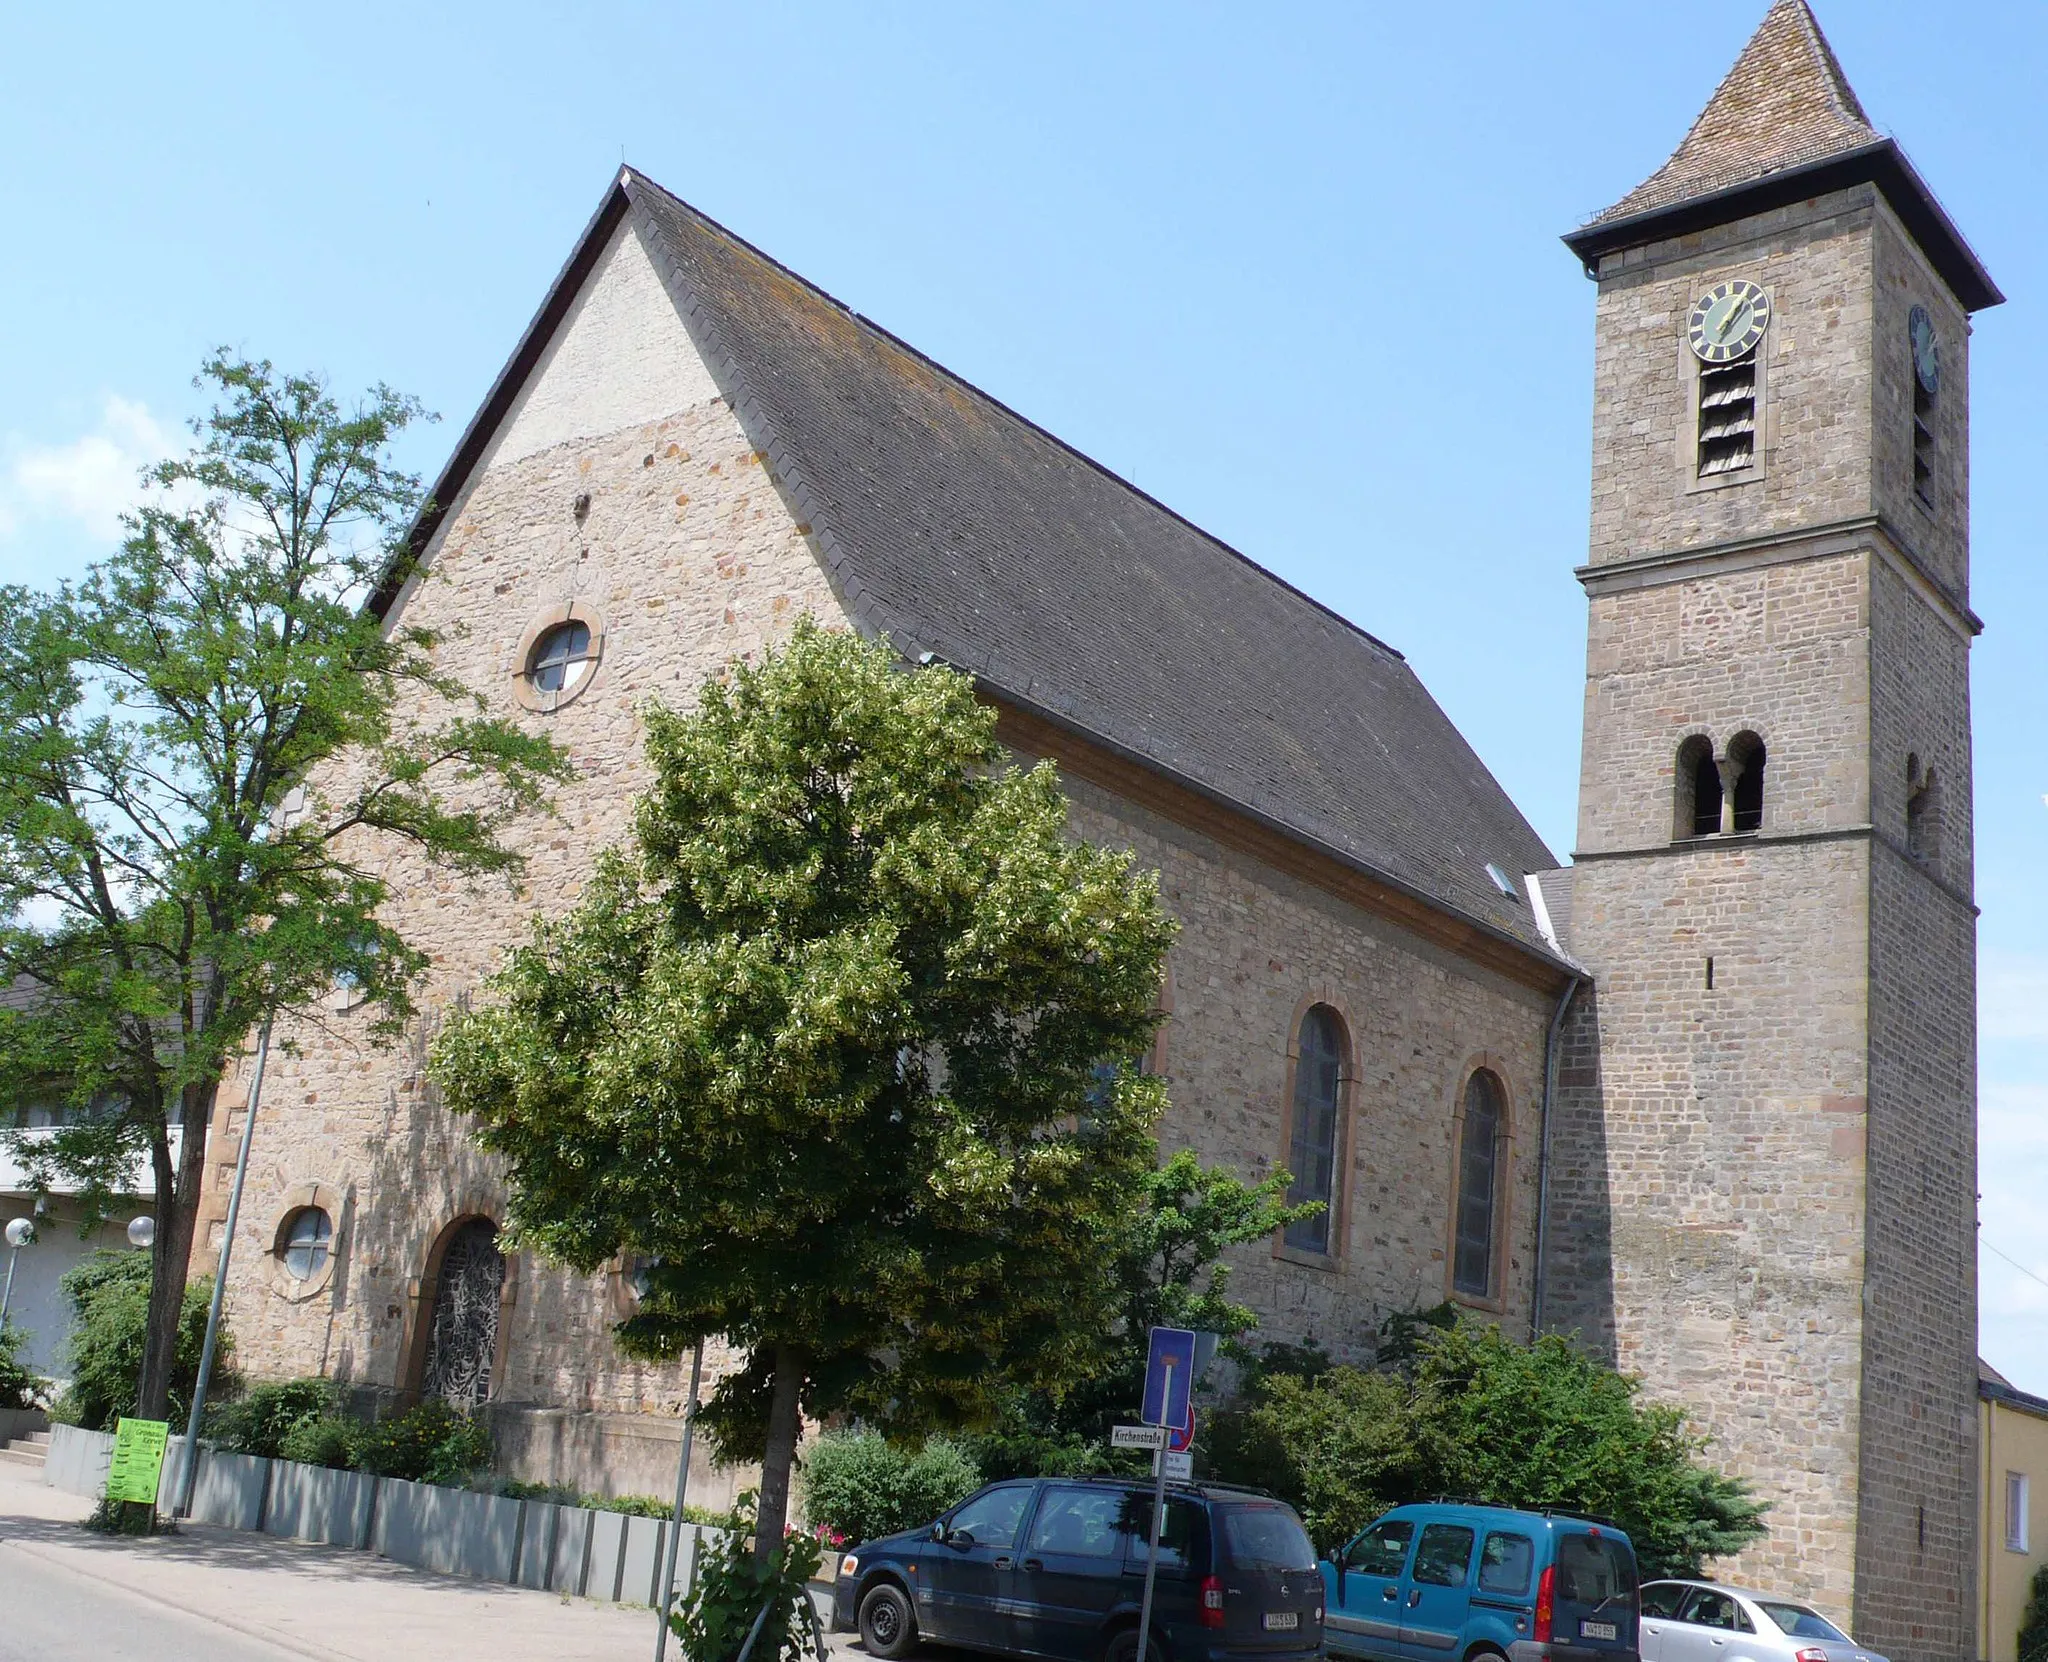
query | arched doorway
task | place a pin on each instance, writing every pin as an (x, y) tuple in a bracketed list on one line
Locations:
[(462, 1336)]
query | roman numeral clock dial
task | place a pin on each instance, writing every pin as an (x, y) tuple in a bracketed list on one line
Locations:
[(1727, 322)]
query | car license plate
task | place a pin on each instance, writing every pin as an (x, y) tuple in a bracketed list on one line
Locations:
[(1282, 1621), (1596, 1630)]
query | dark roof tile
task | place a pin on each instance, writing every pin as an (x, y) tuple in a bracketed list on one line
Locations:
[(959, 528)]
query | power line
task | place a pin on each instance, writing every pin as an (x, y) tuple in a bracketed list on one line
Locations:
[(2016, 1264)]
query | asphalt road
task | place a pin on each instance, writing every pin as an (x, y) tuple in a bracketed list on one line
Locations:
[(49, 1614)]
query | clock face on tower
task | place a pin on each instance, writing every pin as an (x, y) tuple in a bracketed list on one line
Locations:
[(1728, 321), (1926, 349)]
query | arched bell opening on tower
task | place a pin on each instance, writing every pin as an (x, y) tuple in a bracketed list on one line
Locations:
[(1745, 761), (1696, 809)]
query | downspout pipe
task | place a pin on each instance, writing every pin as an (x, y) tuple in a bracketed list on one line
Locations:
[(1553, 1045)]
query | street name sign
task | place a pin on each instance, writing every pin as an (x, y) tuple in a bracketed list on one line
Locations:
[(138, 1463), (1138, 1436)]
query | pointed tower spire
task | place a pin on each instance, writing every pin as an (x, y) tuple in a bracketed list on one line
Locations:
[(1785, 104), (1783, 125)]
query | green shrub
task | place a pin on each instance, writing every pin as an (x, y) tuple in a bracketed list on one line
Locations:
[(713, 1618), (430, 1443), (20, 1385), (109, 1296), (1476, 1414), (1338, 1445), (858, 1486), (264, 1416), (2033, 1636), (323, 1440)]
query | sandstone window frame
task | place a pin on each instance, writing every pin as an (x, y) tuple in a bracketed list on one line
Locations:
[(545, 622), (1335, 1219), (1694, 768), (310, 1195), (1747, 760), (420, 1300), (1495, 1300)]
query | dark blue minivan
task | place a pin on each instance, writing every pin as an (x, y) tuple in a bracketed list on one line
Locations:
[(1442, 1581), (1055, 1568)]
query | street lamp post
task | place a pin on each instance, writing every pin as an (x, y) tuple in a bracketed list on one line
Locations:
[(20, 1233)]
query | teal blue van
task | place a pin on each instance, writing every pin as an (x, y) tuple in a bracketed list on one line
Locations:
[(1448, 1581)]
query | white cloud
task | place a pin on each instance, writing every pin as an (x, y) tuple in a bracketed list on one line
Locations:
[(89, 482)]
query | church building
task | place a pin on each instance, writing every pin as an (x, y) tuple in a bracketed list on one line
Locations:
[(1703, 1098)]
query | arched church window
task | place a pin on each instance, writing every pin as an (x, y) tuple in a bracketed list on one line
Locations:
[(1697, 789), (463, 1339), (1312, 1150), (1479, 1148), (1746, 760)]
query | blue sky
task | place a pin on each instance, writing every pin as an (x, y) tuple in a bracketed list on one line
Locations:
[(1294, 269)]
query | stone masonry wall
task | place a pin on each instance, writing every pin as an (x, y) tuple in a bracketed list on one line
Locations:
[(687, 556), (1733, 1206), (1766, 1178), (1255, 951), (1813, 259), (1917, 1551)]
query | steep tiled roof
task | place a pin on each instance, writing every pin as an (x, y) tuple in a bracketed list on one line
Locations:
[(1785, 104), (1784, 126), (963, 530)]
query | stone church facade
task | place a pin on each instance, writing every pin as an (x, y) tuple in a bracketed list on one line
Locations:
[(1704, 1098)]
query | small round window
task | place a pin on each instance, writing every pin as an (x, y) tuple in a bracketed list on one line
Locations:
[(308, 1239), (560, 659)]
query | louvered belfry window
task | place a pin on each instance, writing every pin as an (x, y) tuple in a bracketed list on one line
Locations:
[(1727, 416), (1923, 442)]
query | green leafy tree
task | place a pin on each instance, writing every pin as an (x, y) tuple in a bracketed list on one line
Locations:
[(109, 1297), (160, 896), (859, 1486), (823, 1047), (1471, 1413), (736, 1584), (20, 1385), (1173, 1271), (2032, 1640)]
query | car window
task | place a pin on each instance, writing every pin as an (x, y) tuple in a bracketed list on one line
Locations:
[(1267, 1536), (1081, 1523), (1382, 1549), (1592, 1569), (1443, 1555), (1718, 1611), (1798, 1622), (1181, 1529), (1662, 1598), (992, 1518), (1504, 1563)]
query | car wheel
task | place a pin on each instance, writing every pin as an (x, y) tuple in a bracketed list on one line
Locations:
[(887, 1626), (1123, 1647)]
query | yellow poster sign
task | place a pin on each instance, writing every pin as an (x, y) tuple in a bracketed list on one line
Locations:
[(138, 1460)]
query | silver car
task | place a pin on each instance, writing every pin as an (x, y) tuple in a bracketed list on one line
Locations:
[(1704, 1621)]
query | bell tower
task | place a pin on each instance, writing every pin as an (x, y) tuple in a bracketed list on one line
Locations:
[(1765, 1136)]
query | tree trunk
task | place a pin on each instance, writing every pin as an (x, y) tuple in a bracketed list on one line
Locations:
[(784, 1422), (177, 1212)]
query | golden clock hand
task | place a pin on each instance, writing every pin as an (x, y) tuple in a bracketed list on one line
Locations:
[(1735, 308)]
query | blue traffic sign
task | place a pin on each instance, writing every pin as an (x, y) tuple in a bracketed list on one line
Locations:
[(1169, 1377)]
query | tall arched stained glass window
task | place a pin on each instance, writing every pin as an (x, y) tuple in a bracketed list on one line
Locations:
[(1312, 1151), (1478, 1187)]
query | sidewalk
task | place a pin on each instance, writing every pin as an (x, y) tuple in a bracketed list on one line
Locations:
[(322, 1602)]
